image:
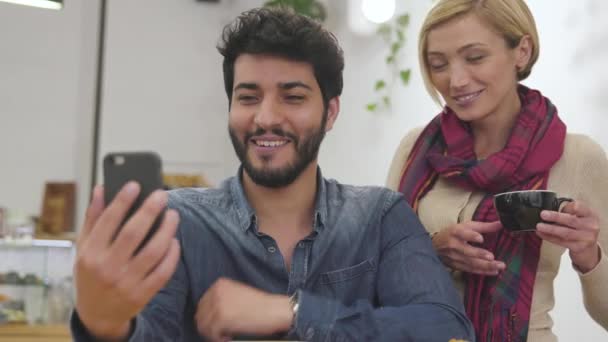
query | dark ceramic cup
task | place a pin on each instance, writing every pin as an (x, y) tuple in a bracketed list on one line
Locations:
[(519, 211)]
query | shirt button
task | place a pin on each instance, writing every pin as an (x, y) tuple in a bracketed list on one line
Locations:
[(271, 249), (300, 244)]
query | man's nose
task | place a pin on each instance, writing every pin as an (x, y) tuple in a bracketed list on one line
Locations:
[(269, 114)]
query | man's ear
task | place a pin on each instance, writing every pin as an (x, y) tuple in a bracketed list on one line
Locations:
[(333, 108)]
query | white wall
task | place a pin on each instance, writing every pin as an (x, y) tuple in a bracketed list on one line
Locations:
[(46, 82), (365, 142), (163, 87), (571, 73)]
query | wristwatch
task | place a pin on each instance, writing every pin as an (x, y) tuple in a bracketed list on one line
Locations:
[(294, 301)]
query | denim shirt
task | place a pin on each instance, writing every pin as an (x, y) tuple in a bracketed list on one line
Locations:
[(367, 271)]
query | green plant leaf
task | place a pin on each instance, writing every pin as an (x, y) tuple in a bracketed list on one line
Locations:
[(384, 29), (317, 11), (405, 76), (310, 8), (386, 100), (403, 20), (272, 3), (400, 35), (394, 35), (395, 47)]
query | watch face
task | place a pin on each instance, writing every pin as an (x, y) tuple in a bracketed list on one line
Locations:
[(294, 300)]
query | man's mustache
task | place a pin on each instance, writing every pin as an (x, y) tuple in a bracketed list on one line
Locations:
[(275, 131)]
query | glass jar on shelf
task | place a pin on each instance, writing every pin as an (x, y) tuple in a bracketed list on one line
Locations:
[(19, 228), (33, 279)]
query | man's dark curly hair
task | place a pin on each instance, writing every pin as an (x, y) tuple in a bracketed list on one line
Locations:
[(281, 32)]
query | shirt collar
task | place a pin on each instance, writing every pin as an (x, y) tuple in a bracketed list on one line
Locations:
[(246, 215)]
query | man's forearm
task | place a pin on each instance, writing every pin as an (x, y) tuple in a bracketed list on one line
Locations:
[(320, 318), (140, 330), (103, 332)]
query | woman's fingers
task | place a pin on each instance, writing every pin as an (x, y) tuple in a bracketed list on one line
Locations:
[(456, 248), (572, 239), (471, 252), (577, 208), (472, 231), (485, 227), (558, 231), (478, 266), (576, 228), (474, 259), (581, 223)]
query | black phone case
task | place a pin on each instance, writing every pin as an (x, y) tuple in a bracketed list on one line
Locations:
[(143, 167)]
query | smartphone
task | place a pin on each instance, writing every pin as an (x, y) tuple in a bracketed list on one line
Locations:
[(144, 168)]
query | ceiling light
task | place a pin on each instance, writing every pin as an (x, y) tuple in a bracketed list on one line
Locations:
[(378, 11), (50, 4)]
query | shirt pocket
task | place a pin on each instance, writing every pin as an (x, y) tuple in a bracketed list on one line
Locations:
[(350, 283), (348, 273)]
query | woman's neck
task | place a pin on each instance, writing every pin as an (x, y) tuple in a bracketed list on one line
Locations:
[(492, 132)]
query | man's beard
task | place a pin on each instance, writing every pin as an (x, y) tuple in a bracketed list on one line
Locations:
[(306, 150)]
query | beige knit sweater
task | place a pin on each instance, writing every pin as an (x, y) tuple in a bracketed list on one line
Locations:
[(582, 174)]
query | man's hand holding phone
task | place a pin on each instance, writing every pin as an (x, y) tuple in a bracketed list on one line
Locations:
[(113, 282)]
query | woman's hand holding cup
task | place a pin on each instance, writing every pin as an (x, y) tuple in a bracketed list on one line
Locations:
[(576, 228)]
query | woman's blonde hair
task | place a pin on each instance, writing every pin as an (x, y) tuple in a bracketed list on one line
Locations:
[(510, 18)]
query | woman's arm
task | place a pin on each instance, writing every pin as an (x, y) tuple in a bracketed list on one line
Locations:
[(581, 227), (401, 154), (594, 192)]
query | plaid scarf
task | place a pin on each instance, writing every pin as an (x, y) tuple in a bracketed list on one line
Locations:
[(498, 306)]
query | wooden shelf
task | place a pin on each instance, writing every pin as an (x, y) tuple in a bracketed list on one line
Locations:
[(70, 236), (34, 333), (65, 240), (37, 243)]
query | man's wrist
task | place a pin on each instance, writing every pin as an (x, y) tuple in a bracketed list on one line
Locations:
[(284, 311), (108, 332), (294, 302)]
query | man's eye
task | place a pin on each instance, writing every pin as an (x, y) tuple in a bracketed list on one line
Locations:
[(246, 98), (294, 98)]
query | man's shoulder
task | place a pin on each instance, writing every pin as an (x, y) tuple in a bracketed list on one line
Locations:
[(197, 197), (364, 196)]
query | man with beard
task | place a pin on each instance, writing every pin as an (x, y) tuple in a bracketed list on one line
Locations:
[(277, 251)]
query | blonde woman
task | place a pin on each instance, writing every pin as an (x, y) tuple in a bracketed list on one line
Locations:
[(495, 135)]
